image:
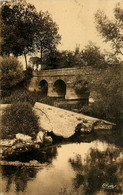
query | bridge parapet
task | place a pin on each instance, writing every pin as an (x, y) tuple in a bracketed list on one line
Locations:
[(60, 72)]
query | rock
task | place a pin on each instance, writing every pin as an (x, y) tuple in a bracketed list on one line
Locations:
[(37, 146), (50, 119), (24, 138), (103, 125), (7, 151), (40, 137), (48, 139), (33, 162), (7, 142), (18, 145), (84, 127)]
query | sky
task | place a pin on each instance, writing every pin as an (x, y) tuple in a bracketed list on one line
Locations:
[(75, 19)]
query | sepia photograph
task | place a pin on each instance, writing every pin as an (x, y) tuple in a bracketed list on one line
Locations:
[(61, 105)]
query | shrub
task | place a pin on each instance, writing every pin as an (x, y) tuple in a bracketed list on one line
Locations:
[(81, 87), (27, 76), (21, 95), (108, 101), (19, 118), (11, 72)]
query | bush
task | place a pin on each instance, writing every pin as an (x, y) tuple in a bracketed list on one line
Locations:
[(81, 87), (11, 72), (27, 76), (19, 118), (108, 101), (21, 95)]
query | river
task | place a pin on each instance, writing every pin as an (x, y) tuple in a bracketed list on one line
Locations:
[(74, 168)]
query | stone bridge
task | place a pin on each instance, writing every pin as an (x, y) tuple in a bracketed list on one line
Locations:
[(57, 83)]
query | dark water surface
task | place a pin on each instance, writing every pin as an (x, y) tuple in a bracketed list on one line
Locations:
[(75, 168)]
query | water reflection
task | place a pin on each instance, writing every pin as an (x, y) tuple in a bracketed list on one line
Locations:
[(19, 176), (100, 171), (76, 169), (45, 155)]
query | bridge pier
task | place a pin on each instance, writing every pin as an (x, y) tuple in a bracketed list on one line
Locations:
[(70, 92), (51, 92)]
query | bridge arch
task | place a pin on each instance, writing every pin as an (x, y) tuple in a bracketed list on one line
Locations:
[(43, 87), (60, 88)]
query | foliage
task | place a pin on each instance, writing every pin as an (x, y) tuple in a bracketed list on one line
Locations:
[(46, 34), (21, 95), (81, 87), (110, 90), (93, 57), (108, 100), (18, 19), (65, 59), (11, 72), (55, 59), (111, 30), (28, 74), (89, 56), (19, 118), (24, 30)]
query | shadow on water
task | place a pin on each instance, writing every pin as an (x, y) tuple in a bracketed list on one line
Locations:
[(19, 175), (44, 155), (100, 171), (114, 136)]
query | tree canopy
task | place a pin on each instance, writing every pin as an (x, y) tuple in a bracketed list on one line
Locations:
[(11, 72), (18, 18), (46, 34), (111, 30), (24, 30), (92, 55)]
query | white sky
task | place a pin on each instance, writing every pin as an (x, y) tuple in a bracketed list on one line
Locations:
[(75, 19)]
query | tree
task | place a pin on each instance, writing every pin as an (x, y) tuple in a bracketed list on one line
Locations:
[(46, 35), (24, 30), (65, 59), (18, 19), (92, 56), (111, 30), (74, 58), (109, 89), (11, 72), (109, 86)]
